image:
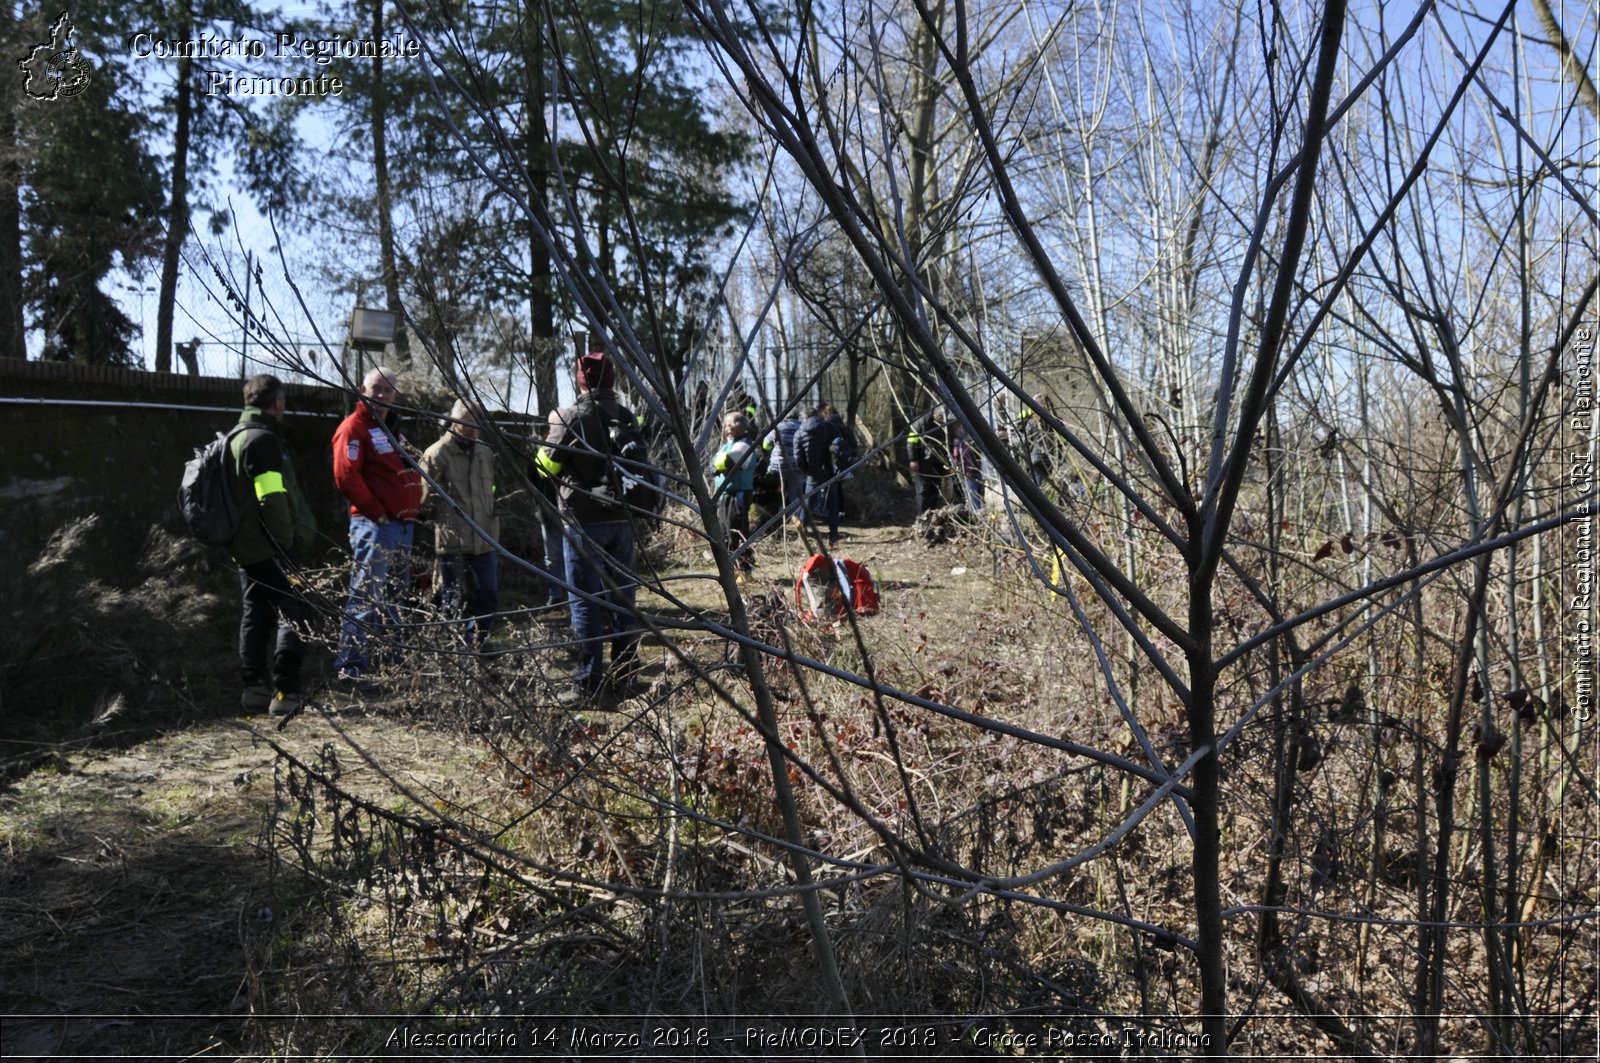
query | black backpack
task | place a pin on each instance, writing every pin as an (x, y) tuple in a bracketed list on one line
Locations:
[(629, 478), (842, 452), (205, 494)]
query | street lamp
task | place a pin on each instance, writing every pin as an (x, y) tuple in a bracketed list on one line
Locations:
[(370, 330)]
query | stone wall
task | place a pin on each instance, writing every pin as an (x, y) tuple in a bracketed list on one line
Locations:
[(76, 440)]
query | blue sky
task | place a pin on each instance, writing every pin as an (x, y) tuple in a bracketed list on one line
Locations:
[(201, 311)]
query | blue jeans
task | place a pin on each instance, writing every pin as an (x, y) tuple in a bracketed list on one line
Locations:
[(481, 575), (380, 572), (974, 493), (824, 504), (599, 562), (794, 491), (555, 558)]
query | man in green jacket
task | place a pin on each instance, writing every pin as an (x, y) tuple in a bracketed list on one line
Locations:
[(277, 525)]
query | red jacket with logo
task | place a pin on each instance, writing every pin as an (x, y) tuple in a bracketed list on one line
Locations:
[(371, 471)]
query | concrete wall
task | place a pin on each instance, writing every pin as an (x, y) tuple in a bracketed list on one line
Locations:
[(76, 440)]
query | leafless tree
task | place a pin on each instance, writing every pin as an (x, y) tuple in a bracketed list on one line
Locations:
[(1323, 327)]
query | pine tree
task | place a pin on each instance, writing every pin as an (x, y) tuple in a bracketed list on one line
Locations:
[(89, 194), (580, 117)]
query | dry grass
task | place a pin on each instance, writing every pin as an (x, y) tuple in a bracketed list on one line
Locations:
[(516, 859)]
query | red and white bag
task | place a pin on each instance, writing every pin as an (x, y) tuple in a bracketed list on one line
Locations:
[(828, 591)]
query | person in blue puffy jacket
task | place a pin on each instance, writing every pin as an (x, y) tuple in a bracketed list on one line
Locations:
[(814, 450)]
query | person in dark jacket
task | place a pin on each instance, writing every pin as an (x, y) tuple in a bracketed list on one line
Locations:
[(599, 535), (779, 443), (1033, 440), (372, 469), (814, 450), (968, 463), (843, 452), (277, 528), (929, 446), (745, 403)]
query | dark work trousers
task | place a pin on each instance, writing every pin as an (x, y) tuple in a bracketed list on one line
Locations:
[(478, 600), (825, 504), (926, 487), (735, 510), (271, 611)]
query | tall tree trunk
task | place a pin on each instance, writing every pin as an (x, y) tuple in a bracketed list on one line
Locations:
[(1206, 860), (12, 343), (921, 192), (178, 211), (541, 296), (380, 172)]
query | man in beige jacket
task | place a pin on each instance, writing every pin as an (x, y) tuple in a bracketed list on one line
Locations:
[(458, 496)]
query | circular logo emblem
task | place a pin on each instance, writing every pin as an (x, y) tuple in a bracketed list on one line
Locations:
[(68, 72)]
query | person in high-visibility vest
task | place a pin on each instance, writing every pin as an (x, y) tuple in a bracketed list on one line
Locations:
[(273, 532), (578, 454), (735, 466)]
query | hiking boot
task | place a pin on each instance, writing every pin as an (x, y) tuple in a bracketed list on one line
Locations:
[(582, 692), (287, 704), (349, 683), (256, 698), (626, 676)]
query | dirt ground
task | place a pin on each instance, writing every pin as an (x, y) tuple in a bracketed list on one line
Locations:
[(142, 914), (132, 880), (133, 883)]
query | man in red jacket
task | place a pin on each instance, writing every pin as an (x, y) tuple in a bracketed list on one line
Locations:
[(373, 471)]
